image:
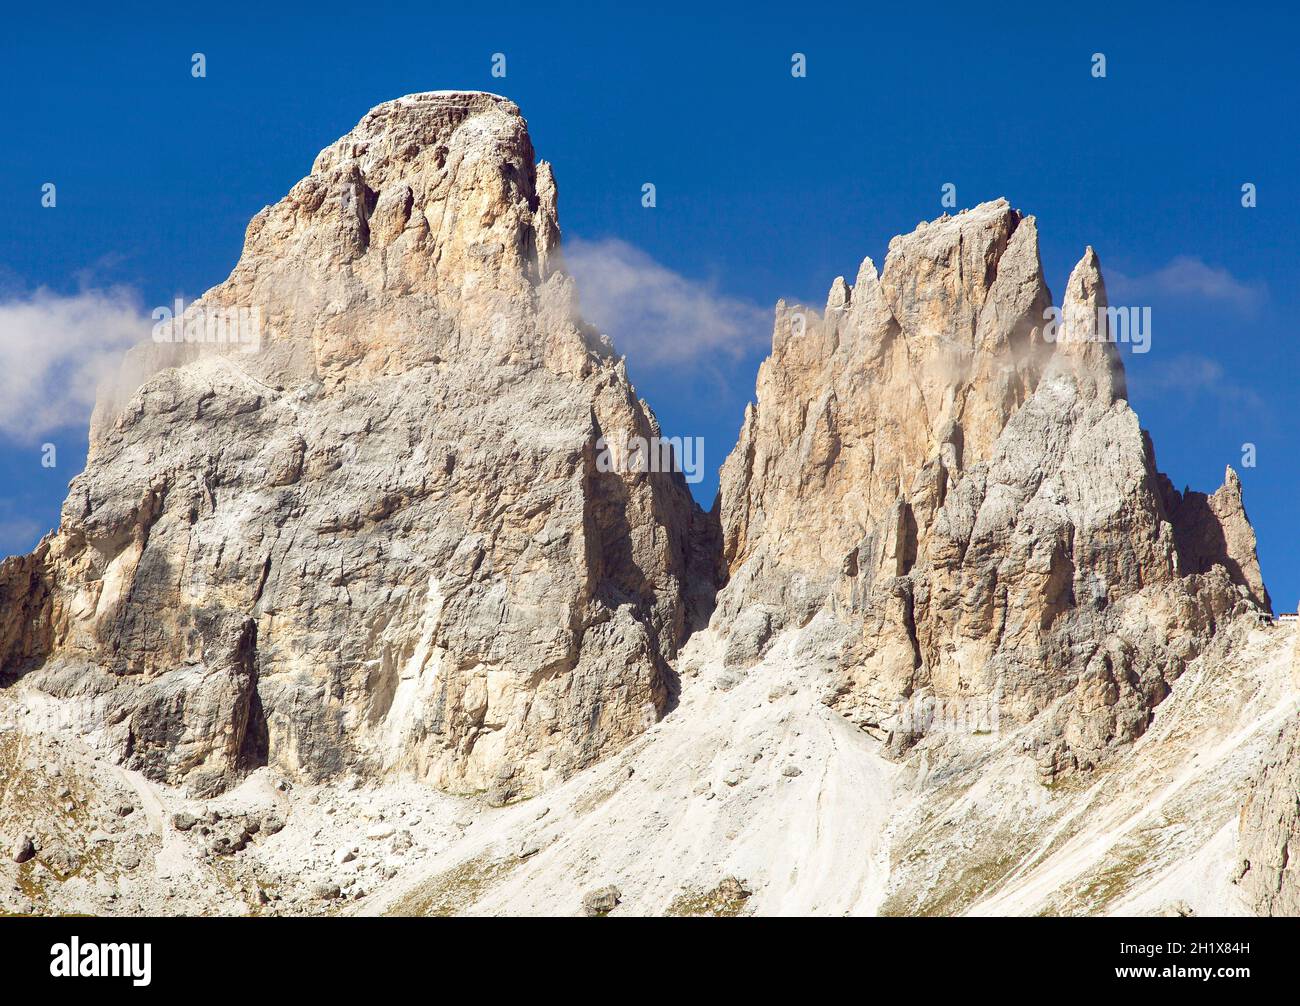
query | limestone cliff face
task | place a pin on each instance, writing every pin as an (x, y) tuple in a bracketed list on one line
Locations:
[(961, 490), (1214, 531), (1269, 827), (381, 542), (902, 374)]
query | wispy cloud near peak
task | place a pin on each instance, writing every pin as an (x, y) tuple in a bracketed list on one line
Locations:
[(54, 352), (658, 317), (1189, 277)]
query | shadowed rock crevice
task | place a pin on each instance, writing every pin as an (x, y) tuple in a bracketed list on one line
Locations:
[(25, 628), (397, 491), (1213, 530), (991, 521), (394, 488)]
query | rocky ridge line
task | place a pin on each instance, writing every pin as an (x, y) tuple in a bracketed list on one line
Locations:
[(963, 500)]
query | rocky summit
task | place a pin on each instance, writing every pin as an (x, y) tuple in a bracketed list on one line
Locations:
[(355, 617), (970, 502), (381, 543)]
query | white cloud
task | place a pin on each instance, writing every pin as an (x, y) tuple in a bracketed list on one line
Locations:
[(55, 350), (657, 317), (1191, 375), (1188, 277)]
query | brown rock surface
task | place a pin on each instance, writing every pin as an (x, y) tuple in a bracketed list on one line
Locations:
[(381, 542), (970, 499)]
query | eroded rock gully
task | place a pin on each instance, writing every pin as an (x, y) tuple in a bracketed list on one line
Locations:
[(967, 501), (381, 544)]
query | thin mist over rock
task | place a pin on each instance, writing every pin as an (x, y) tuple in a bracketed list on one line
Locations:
[(384, 616), (381, 543)]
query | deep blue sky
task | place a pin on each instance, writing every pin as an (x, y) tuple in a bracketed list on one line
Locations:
[(768, 185)]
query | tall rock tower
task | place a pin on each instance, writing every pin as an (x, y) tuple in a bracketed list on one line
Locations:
[(377, 538), (948, 473)]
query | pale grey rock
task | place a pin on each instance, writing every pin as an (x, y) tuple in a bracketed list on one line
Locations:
[(748, 635), (1269, 830), (601, 901), (733, 889), (381, 547), (22, 848), (228, 837), (963, 489), (381, 543), (184, 820)]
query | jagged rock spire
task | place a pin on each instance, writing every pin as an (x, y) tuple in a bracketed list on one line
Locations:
[(965, 492), (1085, 346)]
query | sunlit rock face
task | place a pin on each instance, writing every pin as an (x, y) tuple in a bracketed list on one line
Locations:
[(946, 469), (376, 538)]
